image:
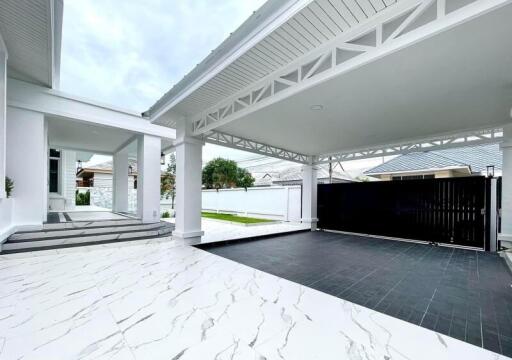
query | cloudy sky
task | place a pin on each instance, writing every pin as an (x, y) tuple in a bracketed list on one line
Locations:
[(129, 53)]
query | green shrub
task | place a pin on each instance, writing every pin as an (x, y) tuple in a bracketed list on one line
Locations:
[(9, 186), (166, 215), (83, 198)]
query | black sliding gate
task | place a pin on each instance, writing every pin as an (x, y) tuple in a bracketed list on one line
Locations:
[(453, 210)]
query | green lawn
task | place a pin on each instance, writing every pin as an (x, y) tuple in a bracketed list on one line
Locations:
[(234, 218)]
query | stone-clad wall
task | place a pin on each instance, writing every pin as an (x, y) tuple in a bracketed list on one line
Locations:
[(102, 196)]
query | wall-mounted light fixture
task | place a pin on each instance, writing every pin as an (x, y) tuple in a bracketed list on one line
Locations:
[(162, 158), (490, 171)]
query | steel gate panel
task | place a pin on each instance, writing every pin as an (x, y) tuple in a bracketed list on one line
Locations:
[(450, 210)]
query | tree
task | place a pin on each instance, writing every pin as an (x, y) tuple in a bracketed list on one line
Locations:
[(244, 178), (168, 181), (221, 173)]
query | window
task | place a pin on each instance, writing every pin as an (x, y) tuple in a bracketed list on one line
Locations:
[(53, 170), (54, 175)]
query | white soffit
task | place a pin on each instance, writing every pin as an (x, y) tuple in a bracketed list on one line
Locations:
[(32, 34), (313, 24), (455, 81)]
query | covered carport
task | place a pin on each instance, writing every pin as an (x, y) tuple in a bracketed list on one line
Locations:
[(315, 82), (323, 81)]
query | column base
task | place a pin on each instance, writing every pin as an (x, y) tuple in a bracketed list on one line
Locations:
[(187, 234), (312, 222), (506, 239), (189, 237)]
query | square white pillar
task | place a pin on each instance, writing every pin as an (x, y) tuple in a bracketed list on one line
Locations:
[(188, 206), (309, 195), (506, 191), (120, 181), (188, 189), (148, 178)]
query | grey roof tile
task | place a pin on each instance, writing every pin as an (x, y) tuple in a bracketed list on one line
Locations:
[(477, 158)]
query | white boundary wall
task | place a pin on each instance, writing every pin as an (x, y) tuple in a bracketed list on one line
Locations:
[(276, 202)]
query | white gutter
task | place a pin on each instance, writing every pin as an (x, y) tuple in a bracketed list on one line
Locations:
[(428, 170)]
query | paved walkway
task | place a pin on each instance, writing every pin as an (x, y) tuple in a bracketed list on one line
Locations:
[(165, 300)]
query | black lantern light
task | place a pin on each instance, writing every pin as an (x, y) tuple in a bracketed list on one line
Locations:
[(130, 169), (162, 158)]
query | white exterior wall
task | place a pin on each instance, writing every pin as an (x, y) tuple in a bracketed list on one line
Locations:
[(102, 180), (278, 203), (3, 92), (6, 224), (506, 200), (27, 166), (68, 171)]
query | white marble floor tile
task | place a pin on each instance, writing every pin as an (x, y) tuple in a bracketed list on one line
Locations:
[(165, 300)]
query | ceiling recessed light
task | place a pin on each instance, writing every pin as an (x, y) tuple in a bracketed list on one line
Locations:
[(317, 107)]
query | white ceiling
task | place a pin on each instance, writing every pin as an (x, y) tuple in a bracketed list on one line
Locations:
[(67, 134), (317, 23), (74, 135), (458, 80), (33, 43)]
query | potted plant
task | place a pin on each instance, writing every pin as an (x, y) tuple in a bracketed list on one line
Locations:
[(9, 186)]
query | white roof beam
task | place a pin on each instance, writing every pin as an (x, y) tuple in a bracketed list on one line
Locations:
[(469, 138), (55, 103), (238, 143), (315, 68)]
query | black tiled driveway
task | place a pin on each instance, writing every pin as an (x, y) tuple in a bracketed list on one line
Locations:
[(461, 293)]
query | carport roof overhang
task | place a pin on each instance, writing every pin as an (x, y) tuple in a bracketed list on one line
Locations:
[(421, 72)]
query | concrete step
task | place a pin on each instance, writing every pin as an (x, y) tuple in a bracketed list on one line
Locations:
[(90, 224), (76, 232), (53, 241)]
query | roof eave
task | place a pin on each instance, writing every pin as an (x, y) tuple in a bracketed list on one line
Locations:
[(275, 12), (55, 39), (418, 170)]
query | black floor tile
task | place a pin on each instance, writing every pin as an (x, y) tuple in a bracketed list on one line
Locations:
[(461, 293)]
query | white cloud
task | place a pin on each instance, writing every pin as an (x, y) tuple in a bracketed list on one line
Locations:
[(129, 53)]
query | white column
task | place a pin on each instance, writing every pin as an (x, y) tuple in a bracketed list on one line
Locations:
[(309, 195), (148, 178), (120, 181), (27, 166), (506, 197), (3, 105), (188, 184)]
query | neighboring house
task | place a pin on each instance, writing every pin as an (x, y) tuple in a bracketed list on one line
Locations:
[(100, 175), (293, 176), (464, 161), (98, 180), (61, 178)]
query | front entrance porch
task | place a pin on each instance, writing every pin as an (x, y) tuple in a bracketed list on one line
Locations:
[(80, 228)]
